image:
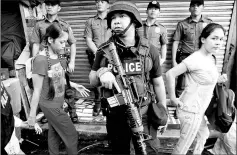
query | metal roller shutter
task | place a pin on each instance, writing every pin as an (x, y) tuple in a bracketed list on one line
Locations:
[(77, 12)]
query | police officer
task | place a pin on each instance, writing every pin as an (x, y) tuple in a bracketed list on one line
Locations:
[(154, 31), (186, 37), (52, 9), (96, 32), (141, 61)]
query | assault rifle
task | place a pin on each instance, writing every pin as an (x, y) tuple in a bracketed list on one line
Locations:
[(129, 97)]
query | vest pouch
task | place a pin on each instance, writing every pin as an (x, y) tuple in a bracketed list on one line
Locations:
[(105, 94), (141, 86)]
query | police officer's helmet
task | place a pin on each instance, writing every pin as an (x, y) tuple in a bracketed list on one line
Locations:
[(127, 7)]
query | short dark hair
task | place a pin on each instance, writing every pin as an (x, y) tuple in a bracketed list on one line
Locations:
[(54, 31), (52, 2), (102, 0), (198, 2)]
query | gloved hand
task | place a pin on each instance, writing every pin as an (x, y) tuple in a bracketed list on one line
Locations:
[(107, 79)]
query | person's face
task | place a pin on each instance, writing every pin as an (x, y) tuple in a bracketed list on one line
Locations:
[(102, 6), (214, 41), (196, 9), (120, 21), (52, 9), (58, 45), (153, 12)]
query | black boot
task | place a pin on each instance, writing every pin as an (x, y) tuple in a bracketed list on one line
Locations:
[(73, 115), (97, 100), (97, 108)]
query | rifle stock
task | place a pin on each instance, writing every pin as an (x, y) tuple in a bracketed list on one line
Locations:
[(130, 98)]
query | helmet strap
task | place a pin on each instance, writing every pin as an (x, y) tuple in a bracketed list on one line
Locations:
[(120, 33)]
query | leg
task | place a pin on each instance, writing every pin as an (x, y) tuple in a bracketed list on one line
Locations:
[(202, 135), (91, 57), (189, 126), (118, 130), (97, 100), (53, 141), (72, 111), (64, 127), (73, 114), (152, 145), (97, 106)]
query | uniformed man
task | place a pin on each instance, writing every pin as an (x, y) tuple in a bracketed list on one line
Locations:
[(186, 37), (96, 32), (141, 62), (52, 9), (154, 31)]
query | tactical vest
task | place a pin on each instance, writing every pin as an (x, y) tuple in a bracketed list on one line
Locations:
[(138, 67)]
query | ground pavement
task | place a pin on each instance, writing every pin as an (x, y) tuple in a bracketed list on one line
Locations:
[(92, 133)]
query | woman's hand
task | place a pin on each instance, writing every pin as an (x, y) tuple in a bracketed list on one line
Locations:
[(222, 78), (71, 67), (38, 129), (83, 91), (176, 102)]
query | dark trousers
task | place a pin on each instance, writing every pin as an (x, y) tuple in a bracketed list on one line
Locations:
[(181, 78), (180, 85), (120, 134), (7, 125), (60, 128), (91, 57)]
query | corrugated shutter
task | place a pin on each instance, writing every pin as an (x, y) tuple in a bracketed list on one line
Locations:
[(77, 12)]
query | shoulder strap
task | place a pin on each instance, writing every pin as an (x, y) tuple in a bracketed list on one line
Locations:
[(144, 47), (144, 50)]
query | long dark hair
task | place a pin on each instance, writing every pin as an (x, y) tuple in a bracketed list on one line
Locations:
[(208, 30), (54, 31)]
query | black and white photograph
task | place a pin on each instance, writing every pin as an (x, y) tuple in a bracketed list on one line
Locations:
[(118, 77)]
